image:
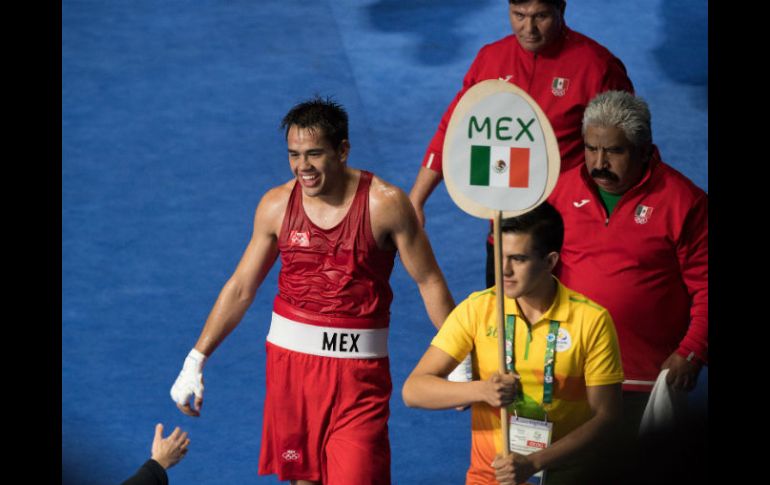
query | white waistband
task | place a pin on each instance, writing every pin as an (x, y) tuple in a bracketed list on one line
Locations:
[(346, 343)]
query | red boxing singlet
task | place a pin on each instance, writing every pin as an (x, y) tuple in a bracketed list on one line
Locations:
[(338, 272)]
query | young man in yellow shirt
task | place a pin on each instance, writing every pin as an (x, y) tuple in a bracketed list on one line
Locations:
[(582, 399)]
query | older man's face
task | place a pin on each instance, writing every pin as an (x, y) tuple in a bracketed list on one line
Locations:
[(536, 24), (612, 161)]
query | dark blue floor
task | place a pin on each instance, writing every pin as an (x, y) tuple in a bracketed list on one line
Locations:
[(170, 114)]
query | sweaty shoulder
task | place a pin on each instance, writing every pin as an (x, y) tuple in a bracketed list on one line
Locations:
[(390, 212), (386, 201), (272, 207)]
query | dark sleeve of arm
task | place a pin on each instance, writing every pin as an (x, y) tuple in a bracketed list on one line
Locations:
[(151, 473), (692, 251), (433, 155)]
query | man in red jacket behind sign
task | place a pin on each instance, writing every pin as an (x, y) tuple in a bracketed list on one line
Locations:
[(636, 242), (559, 68)]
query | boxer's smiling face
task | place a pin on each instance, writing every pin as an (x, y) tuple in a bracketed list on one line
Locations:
[(317, 165)]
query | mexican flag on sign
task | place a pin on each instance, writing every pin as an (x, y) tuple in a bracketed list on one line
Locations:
[(496, 166)]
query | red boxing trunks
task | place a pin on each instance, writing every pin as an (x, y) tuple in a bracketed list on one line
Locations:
[(326, 418)]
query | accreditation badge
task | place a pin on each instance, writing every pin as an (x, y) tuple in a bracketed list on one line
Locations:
[(529, 435)]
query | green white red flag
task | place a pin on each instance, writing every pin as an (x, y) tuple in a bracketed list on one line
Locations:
[(499, 166)]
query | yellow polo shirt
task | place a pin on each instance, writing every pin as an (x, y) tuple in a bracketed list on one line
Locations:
[(587, 354)]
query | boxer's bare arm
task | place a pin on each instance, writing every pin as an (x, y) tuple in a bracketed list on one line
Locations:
[(394, 222), (260, 255)]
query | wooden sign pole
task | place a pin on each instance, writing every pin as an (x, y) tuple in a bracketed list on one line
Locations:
[(498, 249), (479, 107)]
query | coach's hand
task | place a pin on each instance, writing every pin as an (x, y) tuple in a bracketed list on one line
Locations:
[(189, 383), (170, 450), (682, 374)]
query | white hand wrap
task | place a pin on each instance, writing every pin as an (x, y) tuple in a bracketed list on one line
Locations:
[(190, 380), (463, 372)]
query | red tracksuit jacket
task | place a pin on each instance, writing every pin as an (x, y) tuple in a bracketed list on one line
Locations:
[(647, 263)]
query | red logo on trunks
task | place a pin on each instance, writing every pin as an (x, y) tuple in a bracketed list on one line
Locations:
[(297, 238), (291, 455)]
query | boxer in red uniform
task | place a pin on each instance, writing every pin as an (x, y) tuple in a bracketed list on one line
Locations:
[(337, 231)]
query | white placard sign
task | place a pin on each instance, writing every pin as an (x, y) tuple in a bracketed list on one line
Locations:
[(500, 152)]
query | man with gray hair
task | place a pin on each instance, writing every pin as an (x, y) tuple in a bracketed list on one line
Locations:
[(636, 242)]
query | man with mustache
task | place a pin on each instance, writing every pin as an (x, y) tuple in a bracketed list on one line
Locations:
[(636, 242), (559, 68)]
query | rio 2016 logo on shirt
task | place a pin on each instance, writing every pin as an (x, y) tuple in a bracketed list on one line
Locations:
[(500, 152), (563, 340)]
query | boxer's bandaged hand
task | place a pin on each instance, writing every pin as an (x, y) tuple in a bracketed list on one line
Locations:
[(190, 379), (463, 372)]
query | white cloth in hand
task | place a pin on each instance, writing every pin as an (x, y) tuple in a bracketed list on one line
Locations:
[(190, 380), (665, 406)]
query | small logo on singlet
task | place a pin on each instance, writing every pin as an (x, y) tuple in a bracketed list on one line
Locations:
[(559, 86), (642, 214), (290, 455), (301, 239)]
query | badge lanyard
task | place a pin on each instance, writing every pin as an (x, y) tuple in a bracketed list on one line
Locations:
[(550, 353)]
